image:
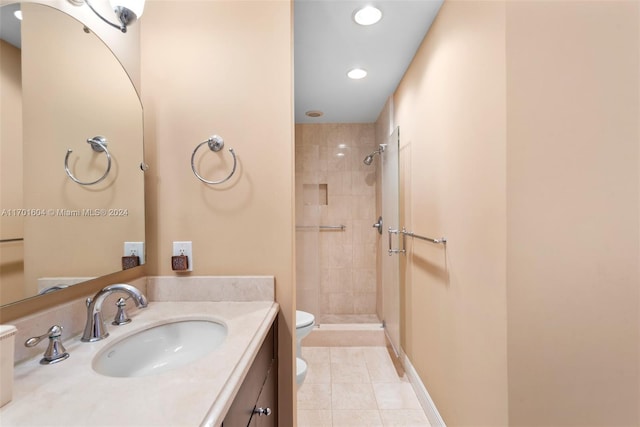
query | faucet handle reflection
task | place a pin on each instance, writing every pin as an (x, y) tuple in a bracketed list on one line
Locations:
[(95, 328)]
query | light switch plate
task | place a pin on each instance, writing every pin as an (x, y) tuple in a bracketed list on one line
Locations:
[(136, 249), (184, 248)]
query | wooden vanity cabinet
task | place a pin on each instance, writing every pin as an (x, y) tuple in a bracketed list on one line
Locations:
[(259, 389)]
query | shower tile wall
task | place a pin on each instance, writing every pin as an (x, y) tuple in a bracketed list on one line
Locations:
[(336, 270)]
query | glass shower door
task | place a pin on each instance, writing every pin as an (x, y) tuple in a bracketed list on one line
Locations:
[(307, 227), (391, 240)]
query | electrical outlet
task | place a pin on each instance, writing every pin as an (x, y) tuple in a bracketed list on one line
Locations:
[(184, 248), (136, 249)]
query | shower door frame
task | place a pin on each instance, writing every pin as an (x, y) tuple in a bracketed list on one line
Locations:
[(390, 263)]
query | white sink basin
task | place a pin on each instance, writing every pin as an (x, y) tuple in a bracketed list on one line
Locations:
[(159, 349)]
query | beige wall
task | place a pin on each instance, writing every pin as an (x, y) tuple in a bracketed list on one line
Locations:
[(451, 110), (520, 140), (573, 217), (11, 227), (331, 156), (223, 67)]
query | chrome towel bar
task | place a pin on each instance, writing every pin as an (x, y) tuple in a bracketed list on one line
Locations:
[(340, 227), (405, 233), (441, 240), (18, 239)]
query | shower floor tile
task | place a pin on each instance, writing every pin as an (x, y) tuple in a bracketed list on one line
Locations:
[(360, 389)]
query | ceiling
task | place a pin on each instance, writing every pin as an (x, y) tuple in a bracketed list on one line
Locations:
[(9, 25), (328, 43)]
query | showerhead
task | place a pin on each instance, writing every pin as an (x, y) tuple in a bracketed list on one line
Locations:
[(369, 159)]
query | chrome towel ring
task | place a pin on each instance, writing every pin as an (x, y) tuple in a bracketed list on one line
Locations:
[(215, 143), (99, 144)]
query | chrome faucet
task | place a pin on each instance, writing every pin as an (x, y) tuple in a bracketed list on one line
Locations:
[(96, 329), (55, 351)]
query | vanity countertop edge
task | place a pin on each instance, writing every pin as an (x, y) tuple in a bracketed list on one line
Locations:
[(71, 393), (225, 398)]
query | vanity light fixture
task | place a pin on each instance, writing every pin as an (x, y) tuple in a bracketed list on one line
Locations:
[(127, 12), (357, 73), (368, 15)]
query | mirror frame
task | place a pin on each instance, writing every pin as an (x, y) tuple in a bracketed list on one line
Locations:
[(37, 303)]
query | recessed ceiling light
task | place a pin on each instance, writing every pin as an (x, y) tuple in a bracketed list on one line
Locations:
[(314, 113), (368, 15), (357, 73), (18, 14)]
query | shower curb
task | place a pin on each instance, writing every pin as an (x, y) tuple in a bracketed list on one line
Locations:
[(345, 335)]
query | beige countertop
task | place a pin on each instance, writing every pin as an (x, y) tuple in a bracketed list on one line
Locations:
[(71, 393)]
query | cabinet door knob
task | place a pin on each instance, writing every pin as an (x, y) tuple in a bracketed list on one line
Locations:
[(262, 411)]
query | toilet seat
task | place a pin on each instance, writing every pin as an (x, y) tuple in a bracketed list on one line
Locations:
[(304, 319)]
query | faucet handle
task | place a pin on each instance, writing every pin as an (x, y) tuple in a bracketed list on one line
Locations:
[(121, 316), (55, 352)]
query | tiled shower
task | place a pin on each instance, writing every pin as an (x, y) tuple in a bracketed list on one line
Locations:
[(336, 267)]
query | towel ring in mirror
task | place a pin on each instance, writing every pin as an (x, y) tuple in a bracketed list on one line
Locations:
[(215, 143), (98, 144)]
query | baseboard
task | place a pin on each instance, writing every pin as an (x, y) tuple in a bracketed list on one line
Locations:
[(424, 398), (393, 354)]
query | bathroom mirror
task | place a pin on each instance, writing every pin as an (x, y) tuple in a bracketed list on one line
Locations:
[(60, 86)]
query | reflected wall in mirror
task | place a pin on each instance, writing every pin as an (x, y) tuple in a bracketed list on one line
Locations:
[(60, 87)]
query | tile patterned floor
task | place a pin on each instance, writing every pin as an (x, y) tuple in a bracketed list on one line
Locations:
[(356, 387)]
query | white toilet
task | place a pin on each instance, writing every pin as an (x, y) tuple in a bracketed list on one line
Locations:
[(301, 371), (304, 325)]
